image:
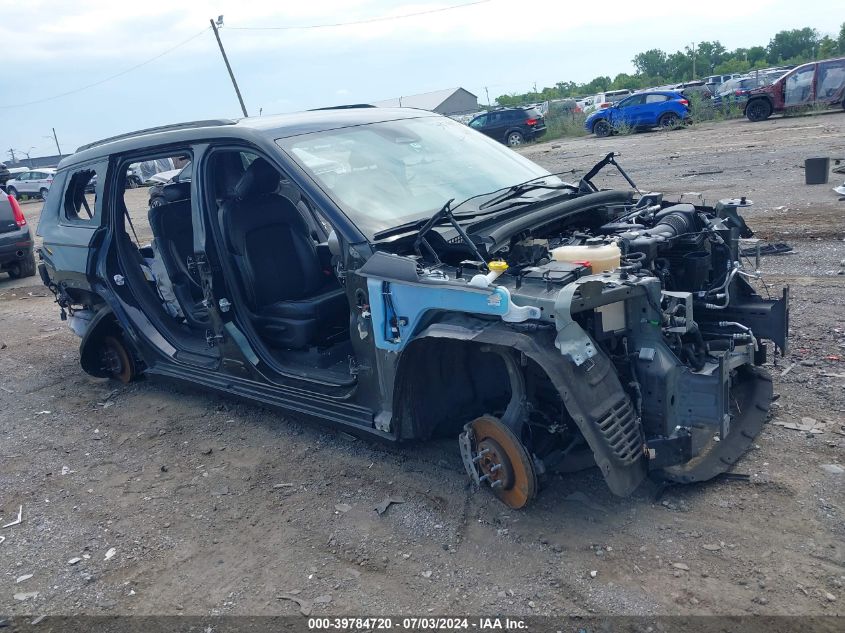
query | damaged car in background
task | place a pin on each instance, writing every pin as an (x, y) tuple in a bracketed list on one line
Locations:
[(397, 274)]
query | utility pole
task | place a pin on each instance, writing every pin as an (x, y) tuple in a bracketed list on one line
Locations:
[(56, 138), (12, 154), (226, 61), (693, 61), (487, 92)]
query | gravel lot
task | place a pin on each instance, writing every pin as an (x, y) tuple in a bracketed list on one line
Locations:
[(156, 498)]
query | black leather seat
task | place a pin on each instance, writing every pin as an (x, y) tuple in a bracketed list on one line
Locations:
[(295, 301), (172, 227)]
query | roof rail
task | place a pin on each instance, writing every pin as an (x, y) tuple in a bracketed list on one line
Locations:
[(350, 106), (161, 128)]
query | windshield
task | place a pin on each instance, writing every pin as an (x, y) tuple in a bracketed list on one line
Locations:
[(386, 174)]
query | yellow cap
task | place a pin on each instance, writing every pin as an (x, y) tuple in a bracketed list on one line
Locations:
[(498, 266)]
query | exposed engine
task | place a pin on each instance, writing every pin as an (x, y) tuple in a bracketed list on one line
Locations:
[(659, 324)]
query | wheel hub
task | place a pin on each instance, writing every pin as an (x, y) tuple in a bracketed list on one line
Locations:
[(495, 457)]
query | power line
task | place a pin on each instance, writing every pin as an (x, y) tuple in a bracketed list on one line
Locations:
[(385, 18), (110, 77)]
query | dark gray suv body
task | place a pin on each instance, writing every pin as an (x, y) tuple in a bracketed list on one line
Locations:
[(396, 274)]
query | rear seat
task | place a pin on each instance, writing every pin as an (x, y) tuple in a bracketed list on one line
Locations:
[(172, 227)]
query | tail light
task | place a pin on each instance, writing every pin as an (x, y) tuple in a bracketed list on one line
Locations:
[(604, 105), (683, 102), (531, 122), (739, 93), (16, 211)]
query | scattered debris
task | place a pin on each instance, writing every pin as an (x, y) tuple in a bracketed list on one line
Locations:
[(342, 507), (808, 425), (778, 248), (832, 469), (26, 596), (594, 573), (37, 620), (276, 486), (712, 547), (22, 578), (74, 560), (16, 521), (426, 573), (43, 412), (305, 605), (788, 369), (382, 507), (681, 566), (110, 553), (702, 172), (830, 597)]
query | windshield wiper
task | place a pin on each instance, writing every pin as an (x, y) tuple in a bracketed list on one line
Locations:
[(445, 213), (517, 190), (418, 224)]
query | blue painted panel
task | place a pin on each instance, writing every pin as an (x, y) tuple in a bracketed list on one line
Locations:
[(412, 301)]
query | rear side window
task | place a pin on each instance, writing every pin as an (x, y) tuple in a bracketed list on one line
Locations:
[(656, 98), (533, 113), (81, 199)]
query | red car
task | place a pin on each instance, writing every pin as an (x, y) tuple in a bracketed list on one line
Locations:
[(815, 84)]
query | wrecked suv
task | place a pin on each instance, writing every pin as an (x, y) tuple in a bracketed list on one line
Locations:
[(397, 274)]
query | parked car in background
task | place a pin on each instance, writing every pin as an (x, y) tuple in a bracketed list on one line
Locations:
[(33, 182), (5, 175), (643, 110), (157, 195), (714, 81), (736, 91), (606, 99), (819, 84), (17, 256), (511, 126)]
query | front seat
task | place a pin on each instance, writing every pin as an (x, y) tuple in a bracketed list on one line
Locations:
[(295, 302)]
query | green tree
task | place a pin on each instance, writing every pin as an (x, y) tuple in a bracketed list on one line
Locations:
[(756, 54), (679, 66), (708, 56), (828, 47), (797, 43), (651, 63)]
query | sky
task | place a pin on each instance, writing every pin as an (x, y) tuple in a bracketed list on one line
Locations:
[(52, 48)]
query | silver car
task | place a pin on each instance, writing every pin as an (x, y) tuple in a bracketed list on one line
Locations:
[(34, 182)]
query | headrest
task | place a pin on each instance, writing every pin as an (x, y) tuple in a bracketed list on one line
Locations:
[(259, 178), (176, 191)]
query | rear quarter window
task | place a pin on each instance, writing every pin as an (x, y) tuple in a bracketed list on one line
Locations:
[(82, 198)]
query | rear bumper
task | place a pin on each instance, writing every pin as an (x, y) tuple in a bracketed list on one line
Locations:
[(536, 133), (15, 246)]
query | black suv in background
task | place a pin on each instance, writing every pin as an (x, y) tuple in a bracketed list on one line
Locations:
[(511, 126), (16, 253)]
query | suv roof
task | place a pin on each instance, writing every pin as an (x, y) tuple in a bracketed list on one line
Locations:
[(276, 126)]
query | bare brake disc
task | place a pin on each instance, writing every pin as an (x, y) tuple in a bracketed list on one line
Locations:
[(494, 457)]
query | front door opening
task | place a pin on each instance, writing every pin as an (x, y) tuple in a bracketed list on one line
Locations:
[(280, 267)]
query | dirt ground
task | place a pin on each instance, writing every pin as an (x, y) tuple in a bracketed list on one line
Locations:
[(157, 498)]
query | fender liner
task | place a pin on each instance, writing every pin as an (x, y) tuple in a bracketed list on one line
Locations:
[(591, 393), (102, 324)]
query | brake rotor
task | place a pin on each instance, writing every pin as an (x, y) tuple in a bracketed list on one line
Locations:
[(502, 462), (116, 360)]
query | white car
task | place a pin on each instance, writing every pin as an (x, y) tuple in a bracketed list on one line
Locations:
[(605, 99), (32, 182)]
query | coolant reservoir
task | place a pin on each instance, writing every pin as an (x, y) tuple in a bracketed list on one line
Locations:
[(602, 257)]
